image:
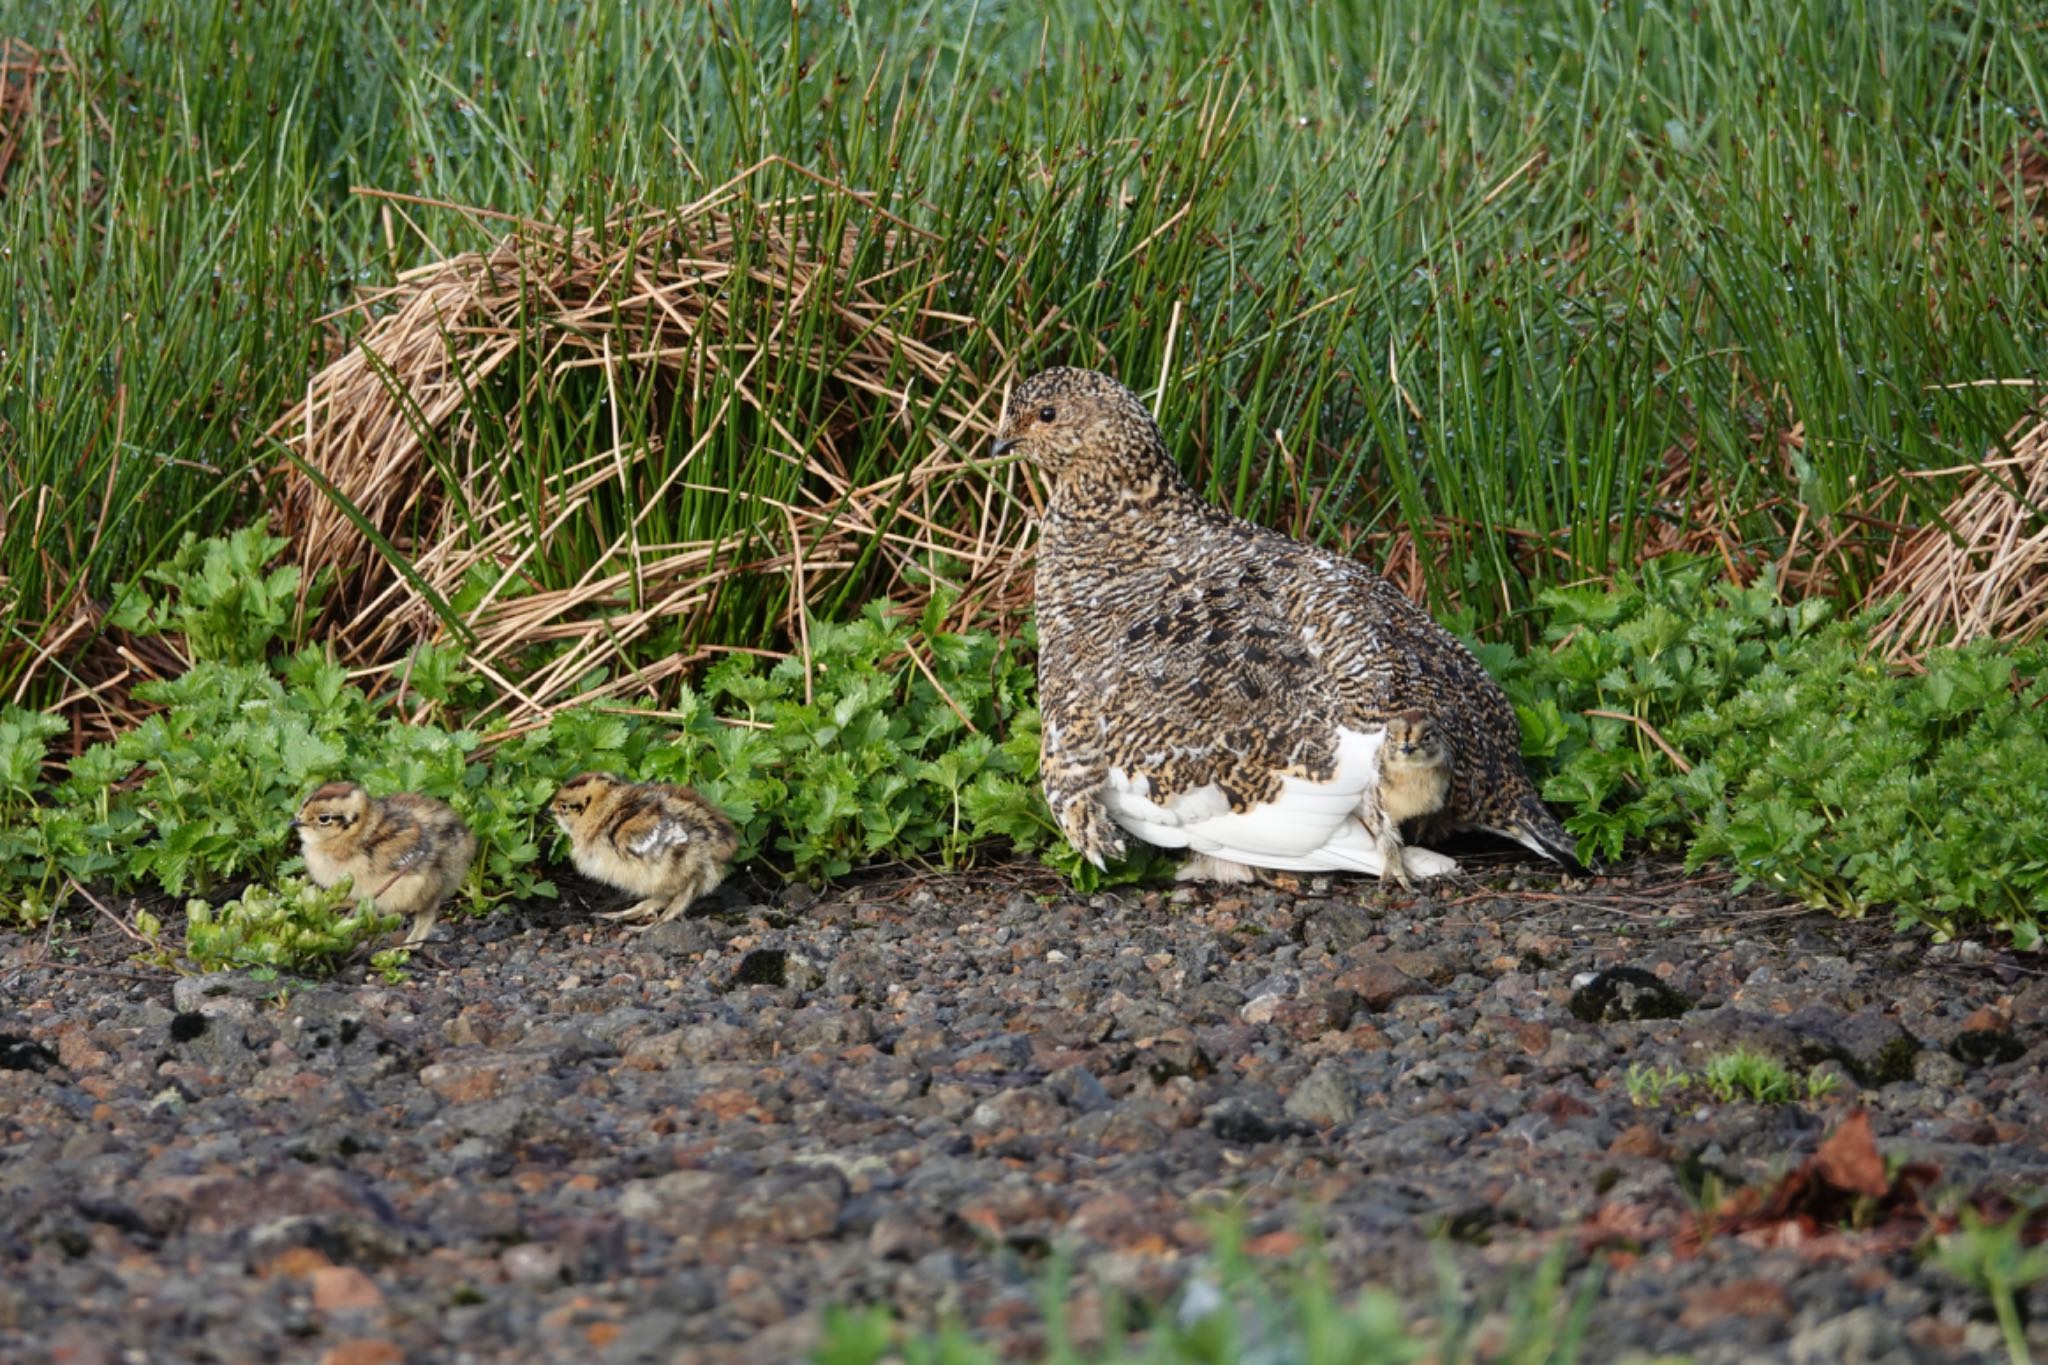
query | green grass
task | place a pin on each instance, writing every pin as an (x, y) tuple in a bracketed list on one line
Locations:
[(1475, 273), (1235, 1310)]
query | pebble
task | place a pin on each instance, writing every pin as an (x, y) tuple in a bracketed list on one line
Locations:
[(564, 1143)]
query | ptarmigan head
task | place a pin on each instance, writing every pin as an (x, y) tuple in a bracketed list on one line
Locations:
[(1085, 431), (331, 812)]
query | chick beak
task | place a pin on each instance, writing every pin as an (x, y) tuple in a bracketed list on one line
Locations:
[(1004, 445), (295, 822)]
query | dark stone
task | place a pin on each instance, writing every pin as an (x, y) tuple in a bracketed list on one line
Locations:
[(187, 1026), (1234, 1120), (763, 967), (1987, 1047), (1626, 993), (24, 1054), (1175, 1054), (1871, 1044)]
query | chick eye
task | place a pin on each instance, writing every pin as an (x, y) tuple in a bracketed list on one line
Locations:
[(1046, 414)]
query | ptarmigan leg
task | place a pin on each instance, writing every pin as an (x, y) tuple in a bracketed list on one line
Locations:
[(1083, 818), (1426, 862), (1205, 867)]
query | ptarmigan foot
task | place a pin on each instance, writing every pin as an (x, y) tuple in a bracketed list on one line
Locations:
[(1090, 830), (1423, 862), (1207, 867)]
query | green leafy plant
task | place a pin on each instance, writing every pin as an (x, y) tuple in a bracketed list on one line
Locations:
[(294, 927), (1648, 1085), (219, 595), (1684, 712), (1746, 1074), (892, 737), (1993, 1259)]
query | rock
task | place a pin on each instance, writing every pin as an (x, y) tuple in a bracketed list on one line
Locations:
[(1027, 1109), (800, 1205), (77, 1053), (1234, 1119), (364, 1351), (1638, 1140), (24, 1054), (684, 937), (192, 994), (828, 1028), (1871, 1044), (1326, 1097), (1986, 1047), (470, 1080), (901, 1235), (1860, 1335), (652, 1337), (1174, 1053), (1626, 993), (763, 967), (1937, 1069), (1377, 983), (343, 1288), (678, 1189), (531, 1262), (1077, 1088), (1328, 1011)]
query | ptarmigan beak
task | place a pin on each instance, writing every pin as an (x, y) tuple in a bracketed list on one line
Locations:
[(1004, 445)]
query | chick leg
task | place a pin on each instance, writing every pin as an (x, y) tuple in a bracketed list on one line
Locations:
[(422, 925), (693, 891), (676, 906), (1390, 855), (639, 910)]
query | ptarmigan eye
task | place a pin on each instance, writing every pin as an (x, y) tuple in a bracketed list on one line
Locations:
[(1046, 414)]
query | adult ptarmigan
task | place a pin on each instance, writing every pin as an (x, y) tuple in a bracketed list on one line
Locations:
[(1212, 685)]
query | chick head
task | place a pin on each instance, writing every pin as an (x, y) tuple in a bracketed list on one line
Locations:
[(331, 812), (578, 795)]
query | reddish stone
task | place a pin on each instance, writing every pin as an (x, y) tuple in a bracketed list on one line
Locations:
[(341, 1288)]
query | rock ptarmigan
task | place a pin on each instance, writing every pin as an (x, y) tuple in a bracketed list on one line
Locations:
[(1209, 684)]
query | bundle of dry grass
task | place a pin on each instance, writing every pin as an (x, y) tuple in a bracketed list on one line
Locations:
[(825, 342), (1983, 570)]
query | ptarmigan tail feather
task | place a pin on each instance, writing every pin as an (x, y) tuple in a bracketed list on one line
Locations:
[(1533, 826)]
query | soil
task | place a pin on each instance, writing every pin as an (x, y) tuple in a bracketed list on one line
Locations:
[(556, 1141)]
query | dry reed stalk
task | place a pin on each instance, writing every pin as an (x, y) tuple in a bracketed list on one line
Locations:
[(21, 68), (1983, 570), (389, 423)]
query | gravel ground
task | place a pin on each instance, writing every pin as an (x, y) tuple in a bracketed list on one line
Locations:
[(555, 1142)]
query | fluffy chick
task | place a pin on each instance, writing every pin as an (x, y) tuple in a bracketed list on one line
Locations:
[(1415, 780), (664, 843), (406, 852)]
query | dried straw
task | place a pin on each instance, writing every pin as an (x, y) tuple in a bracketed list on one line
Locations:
[(1983, 569), (646, 289)]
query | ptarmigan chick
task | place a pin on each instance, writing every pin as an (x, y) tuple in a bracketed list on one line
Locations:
[(661, 842), (1212, 685), (408, 853), (1415, 778)]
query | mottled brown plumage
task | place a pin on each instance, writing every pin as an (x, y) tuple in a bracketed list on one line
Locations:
[(406, 852), (665, 844), (1184, 651)]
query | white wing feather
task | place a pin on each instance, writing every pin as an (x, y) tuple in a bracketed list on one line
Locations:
[(1309, 827), (665, 834)]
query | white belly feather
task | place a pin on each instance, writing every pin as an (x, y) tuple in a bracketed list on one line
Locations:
[(1309, 827)]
